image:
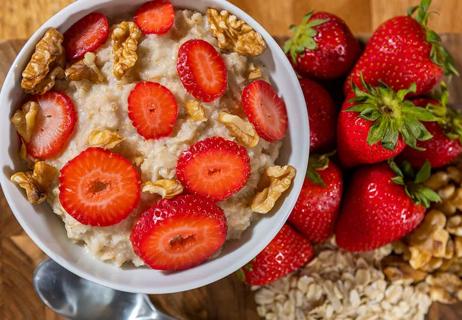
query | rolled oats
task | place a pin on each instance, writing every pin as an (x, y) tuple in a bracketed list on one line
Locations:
[(280, 180), (46, 64), (125, 40), (234, 34), (342, 285)]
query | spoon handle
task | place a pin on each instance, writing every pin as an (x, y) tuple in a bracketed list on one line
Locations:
[(152, 313)]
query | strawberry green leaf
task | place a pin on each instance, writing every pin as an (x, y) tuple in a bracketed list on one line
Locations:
[(318, 163), (413, 183), (438, 53), (315, 177), (391, 115), (424, 173), (240, 275), (303, 36)]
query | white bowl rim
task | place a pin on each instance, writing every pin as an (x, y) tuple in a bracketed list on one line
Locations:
[(303, 131)]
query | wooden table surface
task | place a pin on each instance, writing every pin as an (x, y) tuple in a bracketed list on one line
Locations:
[(226, 299)]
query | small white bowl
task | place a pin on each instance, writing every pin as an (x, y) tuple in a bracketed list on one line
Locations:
[(47, 230)]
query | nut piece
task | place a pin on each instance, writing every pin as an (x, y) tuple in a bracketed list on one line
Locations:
[(396, 270), (444, 287), (46, 64), (104, 138), (280, 180), (234, 34), (24, 119), (85, 69), (195, 111), (37, 182), (166, 188), (254, 72), (125, 37), (242, 130)]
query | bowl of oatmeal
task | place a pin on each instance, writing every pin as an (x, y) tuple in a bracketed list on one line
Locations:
[(150, 156)]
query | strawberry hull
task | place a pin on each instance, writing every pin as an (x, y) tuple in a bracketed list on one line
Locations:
[(352, 146)]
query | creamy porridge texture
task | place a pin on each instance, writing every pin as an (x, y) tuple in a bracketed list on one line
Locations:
[(103, 105)]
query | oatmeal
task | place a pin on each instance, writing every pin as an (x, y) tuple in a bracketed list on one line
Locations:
[(100, 90)]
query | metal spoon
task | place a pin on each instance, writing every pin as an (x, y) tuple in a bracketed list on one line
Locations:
[(79, 299)]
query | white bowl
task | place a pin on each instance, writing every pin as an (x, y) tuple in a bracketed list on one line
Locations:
[(47, 230)]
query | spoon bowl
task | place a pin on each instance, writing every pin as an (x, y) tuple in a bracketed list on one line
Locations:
[(79, 299)]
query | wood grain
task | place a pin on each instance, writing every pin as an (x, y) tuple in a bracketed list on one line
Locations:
[(19, 18)]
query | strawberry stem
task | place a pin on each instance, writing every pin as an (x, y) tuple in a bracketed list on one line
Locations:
[(413, 182), (318, 163), (391, 114), (438, 53), (448, 118), (303, 36)]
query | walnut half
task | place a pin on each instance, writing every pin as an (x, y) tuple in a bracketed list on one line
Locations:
[(85, 69), (125, 38), (166, 188), (24, 119), (46, 64), (242, 130), (280, 180), (234, 34), (104, 138), (36, 183)]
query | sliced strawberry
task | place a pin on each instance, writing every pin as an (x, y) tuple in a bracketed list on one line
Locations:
[(214, 168), (152, 109), (266, 110), (155, 17), (54, 125), (202, 70), (86, 35), (180, 233), (287, 252), (99, 187)]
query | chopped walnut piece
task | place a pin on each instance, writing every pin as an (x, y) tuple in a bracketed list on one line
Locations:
[(234, 34), (444, 287), (125, 38), (242, 130), (46, 64), (24, 119), (166, 188), (37, 182), (280, 180), (254, 72), (85, 69), (396, 270), (454, 225), (195, 110), (104, 138)]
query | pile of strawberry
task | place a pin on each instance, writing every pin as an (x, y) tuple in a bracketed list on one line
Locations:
[(369, 157)]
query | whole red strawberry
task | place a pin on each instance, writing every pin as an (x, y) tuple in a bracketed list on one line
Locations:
[(446, 144), (317, 206), (287, 252), (403, 51), (375, 124), (323, 116), (322, 46), (382, 205)]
